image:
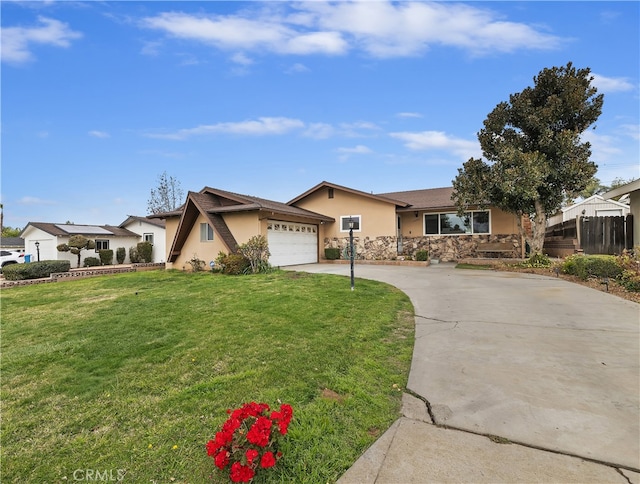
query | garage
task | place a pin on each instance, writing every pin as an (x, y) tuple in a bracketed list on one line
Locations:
[(292, 243)]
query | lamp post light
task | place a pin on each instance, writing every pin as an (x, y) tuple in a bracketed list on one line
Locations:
[(38, 250), (351, 223)]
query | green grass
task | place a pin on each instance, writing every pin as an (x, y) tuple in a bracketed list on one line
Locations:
[(477, 267), (134, 372)]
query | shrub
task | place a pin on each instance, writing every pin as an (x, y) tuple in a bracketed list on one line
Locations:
[(629, 263), (106, 257), (35, 270), (585, 266), (91, 262), (422, 255), (256, 251), (197, 265), (235, 264), (121, 255), (145, 251), (537, 260), (332, 253), (134, 257)]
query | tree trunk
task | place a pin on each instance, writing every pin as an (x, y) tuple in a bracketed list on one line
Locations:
[(539, 228)]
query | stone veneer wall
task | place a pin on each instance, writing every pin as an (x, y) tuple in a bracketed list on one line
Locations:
[(447, 248)]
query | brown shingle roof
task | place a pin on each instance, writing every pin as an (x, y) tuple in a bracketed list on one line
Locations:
[(427, 199)]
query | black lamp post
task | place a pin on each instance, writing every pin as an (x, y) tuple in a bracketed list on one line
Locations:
[(351, 248), (38, 250)]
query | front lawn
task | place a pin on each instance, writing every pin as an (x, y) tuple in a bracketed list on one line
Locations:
[(133, 373)]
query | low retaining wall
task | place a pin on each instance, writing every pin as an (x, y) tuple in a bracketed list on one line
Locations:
[(83, 273)]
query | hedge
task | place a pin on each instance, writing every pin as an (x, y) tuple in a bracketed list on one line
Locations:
[(35, 270), (332, 253)]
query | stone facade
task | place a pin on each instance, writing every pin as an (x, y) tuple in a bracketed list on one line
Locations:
[(444, 248)]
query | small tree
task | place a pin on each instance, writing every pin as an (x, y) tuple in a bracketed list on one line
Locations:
[(145, 251), (535, 157), (167, 196), (121, 255), (76, 244), (256, 251)]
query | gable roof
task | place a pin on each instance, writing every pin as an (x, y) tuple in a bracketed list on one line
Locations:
[(326, 184), (630, 187), (90, 231), (152, 221), (594, 198), (427, 199), (12, 242), (212, 203)]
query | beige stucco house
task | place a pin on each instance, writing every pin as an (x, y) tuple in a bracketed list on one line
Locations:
[(386, 226)]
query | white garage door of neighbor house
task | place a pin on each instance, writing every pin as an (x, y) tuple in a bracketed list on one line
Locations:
[(292, 243)]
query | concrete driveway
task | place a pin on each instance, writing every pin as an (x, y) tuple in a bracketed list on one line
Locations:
[(532, 359)]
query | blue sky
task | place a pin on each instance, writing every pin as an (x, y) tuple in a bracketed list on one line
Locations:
[(271, 98)]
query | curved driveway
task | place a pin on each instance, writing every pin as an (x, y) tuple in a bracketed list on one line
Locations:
[(533, 359)]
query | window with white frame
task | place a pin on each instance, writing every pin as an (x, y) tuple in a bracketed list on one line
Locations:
[(344, 223), (102, 244), (206, 232), (475, 222), (148, 238)]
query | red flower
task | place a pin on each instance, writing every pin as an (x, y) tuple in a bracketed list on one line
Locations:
[(260, 432), (222, 459), (268, 460), (251, 454), (283, 417), (240, 473)]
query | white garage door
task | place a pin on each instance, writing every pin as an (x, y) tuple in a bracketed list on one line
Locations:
[(292, 243)]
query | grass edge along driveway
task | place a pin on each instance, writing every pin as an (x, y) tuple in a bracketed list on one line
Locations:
[(133, 373)]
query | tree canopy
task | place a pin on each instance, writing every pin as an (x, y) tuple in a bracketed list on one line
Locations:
[(534, 154), (166, 196), (76, 244)]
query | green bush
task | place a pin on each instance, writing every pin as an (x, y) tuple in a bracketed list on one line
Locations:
[(422, 255), (235, 264), (537, 260), (197, 265), (629, 263), (35, 270), (585, 266), (134, 257), (256, 251), (145, 251), (332, 253), (630, 280), (121, 255), (106, 257), (91, 262)]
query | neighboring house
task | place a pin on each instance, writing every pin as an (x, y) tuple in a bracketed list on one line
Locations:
[(14, 244), (594, 206), (633, 190), (50, 235), (149, 230), (386, 225)]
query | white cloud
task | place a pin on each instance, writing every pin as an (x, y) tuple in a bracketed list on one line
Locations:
[(242, 59), (297, 68), (438, 140), (18, 41), (34, 201), (99, 134), (612, 84), (356, 150), (320, 131), (380, 29), (258, 127), (408, 115), (631, 130)]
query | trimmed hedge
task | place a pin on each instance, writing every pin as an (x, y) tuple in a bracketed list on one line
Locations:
[(106, 257), (332, 253), (91, 262), (35, 270), (422, 255), (145, 251), (121, 255), (585, 266)]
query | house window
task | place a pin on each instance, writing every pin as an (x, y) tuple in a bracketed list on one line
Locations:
[(453, 224), (344, 223), (206, 232), (148, 238), (102, 245), (330, 192)]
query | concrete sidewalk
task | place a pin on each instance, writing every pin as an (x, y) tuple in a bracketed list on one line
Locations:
[(514, 378)]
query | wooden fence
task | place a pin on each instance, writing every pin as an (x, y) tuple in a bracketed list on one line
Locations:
[(591, 235), (606, 235)]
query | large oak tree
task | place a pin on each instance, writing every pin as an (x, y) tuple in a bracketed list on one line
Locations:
[(534, 153)]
